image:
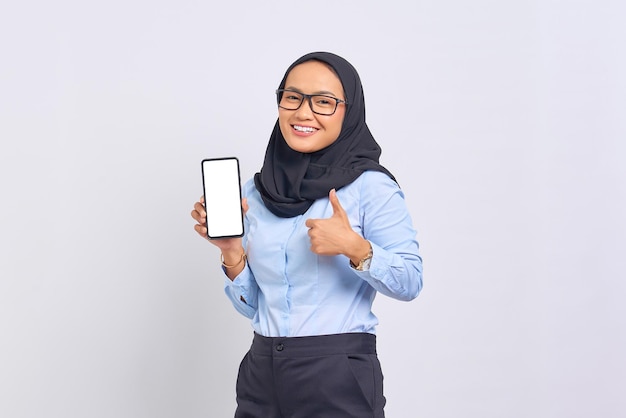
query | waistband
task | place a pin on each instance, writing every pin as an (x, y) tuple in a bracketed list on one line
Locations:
[(317, 345)]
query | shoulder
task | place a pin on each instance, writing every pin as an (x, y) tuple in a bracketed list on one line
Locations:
[(375, 183), (376, 177), (370, 192)]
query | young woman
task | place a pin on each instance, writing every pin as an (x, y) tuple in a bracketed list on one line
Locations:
[(326, 229)]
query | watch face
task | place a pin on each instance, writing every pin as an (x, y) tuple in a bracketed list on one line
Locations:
[(365, 264)]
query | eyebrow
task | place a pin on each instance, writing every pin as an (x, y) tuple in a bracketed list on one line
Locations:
[(328, 93)]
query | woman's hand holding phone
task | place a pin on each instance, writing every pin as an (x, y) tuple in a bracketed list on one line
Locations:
[(231, 248)]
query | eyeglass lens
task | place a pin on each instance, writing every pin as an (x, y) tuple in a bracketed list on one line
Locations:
[(324, 105)]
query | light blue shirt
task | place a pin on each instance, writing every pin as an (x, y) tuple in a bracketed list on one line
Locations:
[(288, 291)]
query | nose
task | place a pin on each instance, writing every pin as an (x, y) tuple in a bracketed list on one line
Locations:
[(305, 111)]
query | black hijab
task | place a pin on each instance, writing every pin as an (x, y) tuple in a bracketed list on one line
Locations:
[(290, 181)]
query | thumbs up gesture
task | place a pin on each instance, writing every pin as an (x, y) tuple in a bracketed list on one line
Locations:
[(334, 235)]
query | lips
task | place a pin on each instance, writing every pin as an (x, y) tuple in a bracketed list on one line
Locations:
[(304, 129)]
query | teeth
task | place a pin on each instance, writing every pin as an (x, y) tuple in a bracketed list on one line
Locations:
[(304, 128)]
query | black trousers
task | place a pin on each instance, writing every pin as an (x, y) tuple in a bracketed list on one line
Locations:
[(326, 376)]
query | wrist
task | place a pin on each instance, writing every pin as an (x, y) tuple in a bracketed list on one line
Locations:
[(233, 258), (363, 256)]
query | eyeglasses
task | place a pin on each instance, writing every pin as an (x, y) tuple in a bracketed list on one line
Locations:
[(319, 103)]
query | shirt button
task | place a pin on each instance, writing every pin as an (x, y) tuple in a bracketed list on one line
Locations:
[(280, 347)]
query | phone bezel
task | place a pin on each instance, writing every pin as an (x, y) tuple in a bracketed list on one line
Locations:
[(206, 201)]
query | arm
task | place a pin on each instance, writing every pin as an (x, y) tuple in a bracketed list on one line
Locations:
[(377, 219), (241, 287), (396, 266)]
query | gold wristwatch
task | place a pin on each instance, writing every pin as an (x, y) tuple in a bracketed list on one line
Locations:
[(364, 263)]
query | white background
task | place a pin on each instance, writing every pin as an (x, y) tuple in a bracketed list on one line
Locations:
[(503, 121)]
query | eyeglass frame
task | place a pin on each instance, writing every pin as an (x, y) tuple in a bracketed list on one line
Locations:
[(308, 97)]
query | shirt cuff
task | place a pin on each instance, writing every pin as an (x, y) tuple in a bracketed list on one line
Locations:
[(241, 284), (378, 265)]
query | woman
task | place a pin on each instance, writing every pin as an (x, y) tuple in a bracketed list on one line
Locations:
[(326, 229)]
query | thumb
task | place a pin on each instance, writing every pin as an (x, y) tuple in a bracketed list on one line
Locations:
[(338, 210)]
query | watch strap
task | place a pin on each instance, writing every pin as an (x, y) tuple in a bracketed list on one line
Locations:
[(365, 262)]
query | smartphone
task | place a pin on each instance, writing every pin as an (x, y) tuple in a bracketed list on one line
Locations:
[(222, 197)]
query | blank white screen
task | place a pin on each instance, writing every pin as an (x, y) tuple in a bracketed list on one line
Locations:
[(222, 196)]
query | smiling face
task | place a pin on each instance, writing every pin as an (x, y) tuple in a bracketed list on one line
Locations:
[(303, 130)]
